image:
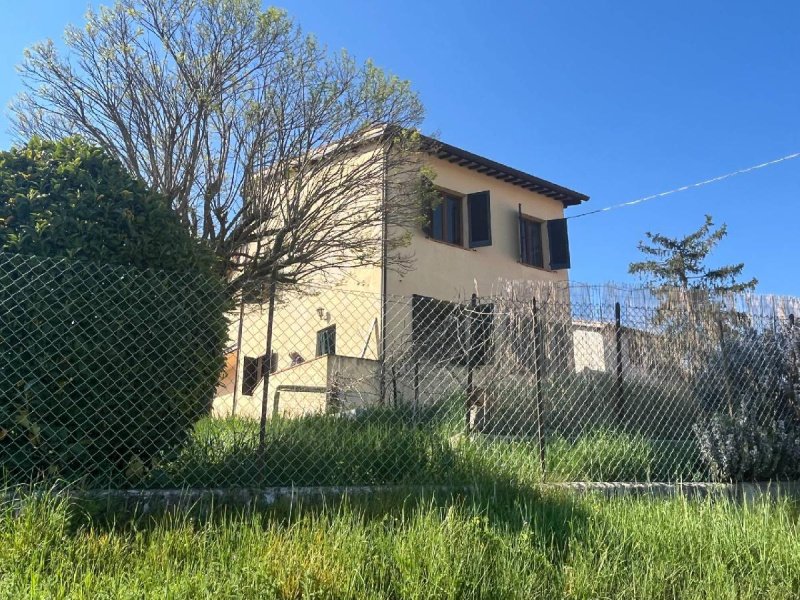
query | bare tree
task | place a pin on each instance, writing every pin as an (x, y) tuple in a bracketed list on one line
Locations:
[(271, 149)]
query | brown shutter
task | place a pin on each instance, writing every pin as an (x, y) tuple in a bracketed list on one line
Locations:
[(558, 241), (480, 219)]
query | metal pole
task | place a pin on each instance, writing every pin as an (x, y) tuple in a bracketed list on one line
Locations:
[(537, 339), (416, 388), (384, 270), (473, 303), (262, 430), (394, 387), (238, 358), (619, 390)]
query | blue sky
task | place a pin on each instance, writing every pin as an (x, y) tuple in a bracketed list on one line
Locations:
[(615, 99)]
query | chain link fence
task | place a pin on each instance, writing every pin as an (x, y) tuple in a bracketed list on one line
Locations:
[(112, 377)]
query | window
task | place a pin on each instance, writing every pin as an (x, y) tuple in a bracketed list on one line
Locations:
[(445, 220), (252, 372), (530, 242), (326, 341)]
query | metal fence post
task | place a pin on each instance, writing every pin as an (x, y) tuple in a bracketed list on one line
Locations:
[(619, 388), (473, 303), (416, 390), (262, 429), (539, 368), (239, 357), (394, 387)]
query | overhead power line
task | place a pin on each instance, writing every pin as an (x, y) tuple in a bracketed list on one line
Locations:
[(687, 187)]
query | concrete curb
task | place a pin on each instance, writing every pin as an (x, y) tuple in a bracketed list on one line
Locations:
[(143, 502), (739, 492), (148, 501)]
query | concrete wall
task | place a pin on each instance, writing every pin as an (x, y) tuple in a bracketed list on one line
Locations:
[(643, 354), (356, 380), (590, 351), (308, 388)]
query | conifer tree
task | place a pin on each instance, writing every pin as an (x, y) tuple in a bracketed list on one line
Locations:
[(681, 263)]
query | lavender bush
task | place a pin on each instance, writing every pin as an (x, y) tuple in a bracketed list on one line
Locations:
[(744, 448), (748, 388)]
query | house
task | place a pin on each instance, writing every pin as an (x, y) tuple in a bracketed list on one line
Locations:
[(640, 353), (491, 222)]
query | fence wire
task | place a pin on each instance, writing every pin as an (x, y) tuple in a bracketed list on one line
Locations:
[(114, 377)]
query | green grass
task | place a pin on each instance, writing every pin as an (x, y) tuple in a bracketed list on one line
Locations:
[(492, 544), (385, 447), (314, 450)]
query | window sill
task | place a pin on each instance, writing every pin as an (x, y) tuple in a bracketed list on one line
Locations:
[(443, 243), (545, 269)]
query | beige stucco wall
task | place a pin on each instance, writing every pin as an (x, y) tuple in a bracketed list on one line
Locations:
[(447, 272), (348, 299), (352, 304), (313, 373), (356, 381)]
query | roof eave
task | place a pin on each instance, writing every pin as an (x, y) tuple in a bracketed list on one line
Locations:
[(491, 168)]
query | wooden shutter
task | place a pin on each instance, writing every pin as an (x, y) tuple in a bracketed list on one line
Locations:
[(521, 236), (558, 240), (320, 349), (250, 374), (480, 219)]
